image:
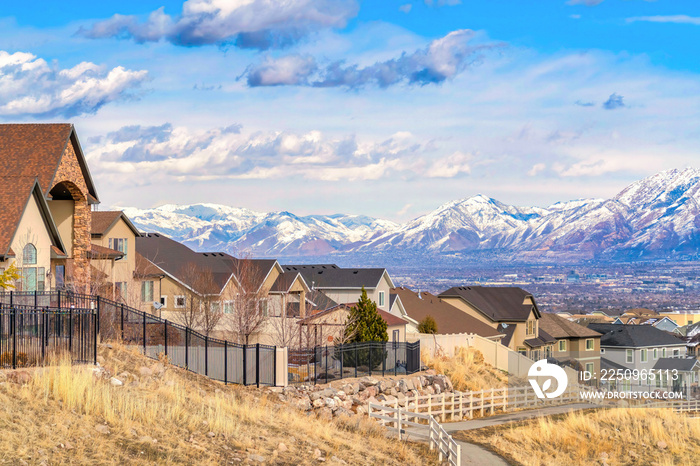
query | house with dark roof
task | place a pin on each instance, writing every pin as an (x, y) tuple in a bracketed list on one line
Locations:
[(416, 306), (510, 310), (576, 346), (344, 285), (637, 347), (46, 160), (662, 323)]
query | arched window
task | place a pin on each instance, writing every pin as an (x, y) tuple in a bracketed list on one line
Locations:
[(29, 255)]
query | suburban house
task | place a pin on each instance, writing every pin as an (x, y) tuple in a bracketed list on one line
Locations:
[(113, 254), (174, 279), (662, 323), (682, 318), (511, 311), (636, 347), (344, 285), (46, 220), (576, 346), (327, 327), (416, 306)]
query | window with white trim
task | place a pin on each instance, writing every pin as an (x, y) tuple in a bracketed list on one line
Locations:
[(562, 346), (381, 298), (119, 244), (228, 307), (180, 302), (590, 344), (630, 356), (655, 353), (643, 354), (147, 291)]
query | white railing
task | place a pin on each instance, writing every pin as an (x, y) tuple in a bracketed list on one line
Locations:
[(680, 406), (460, 405), (397, 419)]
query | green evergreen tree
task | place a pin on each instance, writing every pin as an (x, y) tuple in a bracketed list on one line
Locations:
[(428, 325), (365, 323)]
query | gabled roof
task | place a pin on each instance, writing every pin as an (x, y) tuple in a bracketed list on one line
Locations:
[(146, 269), (16, 192), (104, 220), (177, 261), (330, 276), (390, 319), (35, 150), (100, 252), (285, 281), (681, 365), (508, 331), (498, 303), (448, 318), (542, 339), (561, 328), (634, 336), (606, 363)]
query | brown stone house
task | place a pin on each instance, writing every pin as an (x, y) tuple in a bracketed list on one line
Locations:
[(51, 155), (576, 346), (510, 310)]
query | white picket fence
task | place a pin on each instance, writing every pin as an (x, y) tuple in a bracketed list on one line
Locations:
[(460, 405), (397, 419)]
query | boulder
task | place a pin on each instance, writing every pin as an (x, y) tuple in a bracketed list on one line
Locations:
[(369, 381), (19, 377), (325, 414), (318, 403), (115, 382), (145, 371)]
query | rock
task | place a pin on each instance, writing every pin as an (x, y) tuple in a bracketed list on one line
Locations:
[(325, 414), (115, 382), (147, 439), (256, 458), (370, 392), (335, 459), (19, 377), (662, 445), (437, 389), (318, 403), (275, 389), (158, 369), (281, 447), (102, 429), (342, 412), (317, 453), (393, 392), (211, 435), (340, 394), (604, 456), (145, 371), (330, 403), (303, 403), (430, 372), (369, 381), (313, 396), (289, 390)]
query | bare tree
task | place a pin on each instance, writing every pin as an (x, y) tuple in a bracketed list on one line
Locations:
[(202, 310), (247, 302)]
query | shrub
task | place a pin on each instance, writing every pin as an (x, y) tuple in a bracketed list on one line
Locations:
[(428, 325)]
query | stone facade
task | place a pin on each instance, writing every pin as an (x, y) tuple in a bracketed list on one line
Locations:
[(71, 176)]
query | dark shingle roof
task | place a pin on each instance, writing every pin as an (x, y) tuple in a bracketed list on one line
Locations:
[(559, 327), (103, 220), (606, 363), (634, 336), (508, 332), (498, 303), (448, 318), (324, 276), (100, 252), (35, 150), (677, 363)]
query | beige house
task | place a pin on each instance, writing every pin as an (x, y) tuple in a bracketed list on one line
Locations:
[(512, 311), (576, 346), (51, 156)]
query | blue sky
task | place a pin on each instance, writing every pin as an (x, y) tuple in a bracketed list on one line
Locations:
[(386, 108)]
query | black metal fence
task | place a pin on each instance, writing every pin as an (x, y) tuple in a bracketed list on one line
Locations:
[(217, 359), (324, 364), (29, 336)]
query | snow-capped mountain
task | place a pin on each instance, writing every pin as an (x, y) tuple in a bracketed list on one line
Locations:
[(655, 217)]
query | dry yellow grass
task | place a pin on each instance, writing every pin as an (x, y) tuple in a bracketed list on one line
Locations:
[(467, 370), (179, 418), (620, 436)]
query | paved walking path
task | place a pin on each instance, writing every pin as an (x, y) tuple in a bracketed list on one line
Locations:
[(473, 455)]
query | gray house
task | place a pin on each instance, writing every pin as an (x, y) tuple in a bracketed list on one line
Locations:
[(638, 347)]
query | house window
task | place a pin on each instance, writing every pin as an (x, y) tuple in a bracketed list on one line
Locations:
[(676, 353), (60, 275), (147, 291), (530, 327), (120, 289), (118, 244), (522, 350), (590, 344), (228, 307), (643, 355), (655, 353), (33, 279), (263, 307), (663, 352), (180, 302), (395, 335), (381, 298), (590, 367), (164, 301), (602, 351), (630, 356), (562, 346), (215, 307), (29, 255)]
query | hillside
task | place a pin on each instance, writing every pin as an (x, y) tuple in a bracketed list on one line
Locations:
[(652, 218), (164, 415)]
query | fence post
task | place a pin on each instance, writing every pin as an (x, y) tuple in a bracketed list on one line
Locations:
[(370, 360), (206, 355), (257, 364), (165, 336), (398, 421), (144, 334), (13, 318), (36, 299), (225, 362), (187, 348), (94, 322), (245, 364), (355, 358), (396, 350), (70, 331), (12, 299), (326, 362), (274, 366), (97, 323), (43, 331), (122, 321)]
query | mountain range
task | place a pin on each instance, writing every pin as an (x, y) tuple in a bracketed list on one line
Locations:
[(654, 218)]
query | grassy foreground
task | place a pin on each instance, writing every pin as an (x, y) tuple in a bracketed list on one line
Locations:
[(621, 436), (467, 370), (65, 415)]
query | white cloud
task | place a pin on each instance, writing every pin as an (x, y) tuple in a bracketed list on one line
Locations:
[(537, 168), (449, 167), (260, 24), (406, 8), (288, 70), (29, 86), (679, 19)]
